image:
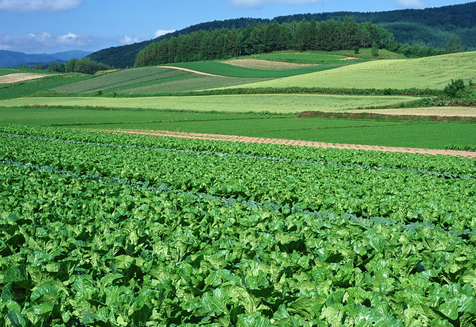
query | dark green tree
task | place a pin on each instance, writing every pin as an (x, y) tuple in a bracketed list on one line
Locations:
[(257, 33), (285, 37), (349, 33), (172, 50), (374, 50), (53, 67), (271, 37), (232, 47), (302, 36), (70, 65), (454, 45), (454, 89)]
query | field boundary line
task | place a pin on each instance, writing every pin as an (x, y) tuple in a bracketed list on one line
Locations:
[(250, 139)]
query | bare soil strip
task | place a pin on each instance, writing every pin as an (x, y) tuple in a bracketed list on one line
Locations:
[(245, 139), (190, 70), (19, 77)]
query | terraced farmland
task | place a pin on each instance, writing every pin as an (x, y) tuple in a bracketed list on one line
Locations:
[(105, 229)]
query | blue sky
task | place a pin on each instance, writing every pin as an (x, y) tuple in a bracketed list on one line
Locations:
[(48, 26)]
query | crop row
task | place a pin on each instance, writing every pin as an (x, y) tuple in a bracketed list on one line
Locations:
[(78, 249), (393, 194), (443, 165)]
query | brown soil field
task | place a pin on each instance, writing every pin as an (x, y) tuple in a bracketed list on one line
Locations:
[(19, 77), (235, 138), (264, 64)]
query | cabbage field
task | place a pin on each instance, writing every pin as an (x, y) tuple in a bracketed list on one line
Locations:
[(100, 229)]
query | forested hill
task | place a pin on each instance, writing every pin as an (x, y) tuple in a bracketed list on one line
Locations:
[(429, 27), (125, 56)]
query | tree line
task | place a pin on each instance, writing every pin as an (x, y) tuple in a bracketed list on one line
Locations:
[(260, 38), (84, 66)]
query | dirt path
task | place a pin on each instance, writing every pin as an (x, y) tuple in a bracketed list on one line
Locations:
[(244, 139), (19, 77), (190, 70)]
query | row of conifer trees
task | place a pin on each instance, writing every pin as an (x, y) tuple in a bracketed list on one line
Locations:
[(259, 38)]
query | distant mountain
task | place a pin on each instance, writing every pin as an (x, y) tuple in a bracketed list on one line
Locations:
[(427, 27), (15, 59)]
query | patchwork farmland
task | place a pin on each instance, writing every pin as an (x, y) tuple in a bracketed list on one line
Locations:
[(104, 228)]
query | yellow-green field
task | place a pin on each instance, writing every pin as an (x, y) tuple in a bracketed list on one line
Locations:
[(279, 103), (430, 72)]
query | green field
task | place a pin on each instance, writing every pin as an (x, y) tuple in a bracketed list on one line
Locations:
[(278, 103), (108, 118), (426, 134), (430, 72), (154, 80), (102, 229), (151, 80), (321, 57), (20, 70), (398, 134), (27, 88), (298, 58), (426, 72), (223, 69)]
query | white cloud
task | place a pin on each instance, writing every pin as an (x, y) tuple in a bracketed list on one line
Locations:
[(45, 42), (38, 5), (134, 39), (413, 4), (129, 40), (162, 32), (259, 3)]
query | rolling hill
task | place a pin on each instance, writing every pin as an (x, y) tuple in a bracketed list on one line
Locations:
[(430, 72), (394, 73)]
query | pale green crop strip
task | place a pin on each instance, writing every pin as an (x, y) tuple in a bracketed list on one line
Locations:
[(222, 154), (276, 103)]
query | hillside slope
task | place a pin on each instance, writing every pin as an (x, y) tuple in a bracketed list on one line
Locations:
[(430, 72)]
